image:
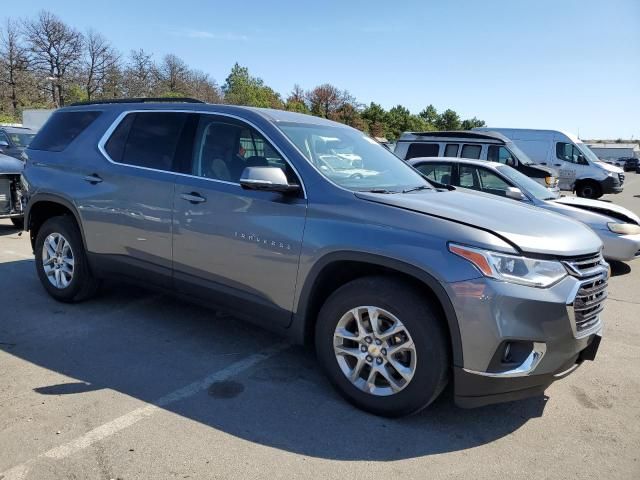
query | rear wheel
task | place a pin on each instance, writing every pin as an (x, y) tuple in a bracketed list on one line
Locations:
[(383, 347), (589, 190), (61, 261)]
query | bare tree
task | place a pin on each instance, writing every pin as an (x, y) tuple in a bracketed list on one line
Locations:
[(100, 57), (14, 62), (202, 87), (174, 75), (139, 76), (56, 50)]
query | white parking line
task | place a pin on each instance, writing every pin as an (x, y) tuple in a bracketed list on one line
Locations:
[(106, 430)]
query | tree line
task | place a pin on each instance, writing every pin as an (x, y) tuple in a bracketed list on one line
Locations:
[(46, 63)]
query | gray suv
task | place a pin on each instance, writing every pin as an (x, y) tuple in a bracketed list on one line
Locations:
[(402, 286)]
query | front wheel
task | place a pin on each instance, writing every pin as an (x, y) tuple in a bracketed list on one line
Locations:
[(383, 346), (589, 190), (61, 261)]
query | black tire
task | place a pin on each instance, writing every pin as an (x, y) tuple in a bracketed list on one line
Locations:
[(589, 190), (417, 314), (18, 222), (83, 284)]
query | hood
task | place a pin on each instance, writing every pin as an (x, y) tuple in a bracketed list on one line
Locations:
[(616, 212), (10, 165), (535, 170), (609, 168), (530, 229)]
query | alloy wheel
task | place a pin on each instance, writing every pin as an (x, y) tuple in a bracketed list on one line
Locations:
[(374, 350), (58, 260)]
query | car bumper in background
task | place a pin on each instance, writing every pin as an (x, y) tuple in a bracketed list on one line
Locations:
[(622, 248), (612, 184)]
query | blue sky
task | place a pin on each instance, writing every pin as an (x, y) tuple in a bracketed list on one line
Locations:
[(563, 64)]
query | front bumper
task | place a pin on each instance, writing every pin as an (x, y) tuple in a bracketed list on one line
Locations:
[(494, 315), (473, 390), (613, 184)]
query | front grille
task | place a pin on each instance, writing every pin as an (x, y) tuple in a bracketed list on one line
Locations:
[(621, 178), (588, 302)]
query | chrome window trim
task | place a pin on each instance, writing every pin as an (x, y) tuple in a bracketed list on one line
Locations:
[(107, 135)]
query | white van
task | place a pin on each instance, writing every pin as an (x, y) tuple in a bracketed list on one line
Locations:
[(579, 168)]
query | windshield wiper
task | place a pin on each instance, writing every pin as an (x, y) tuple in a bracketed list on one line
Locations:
[(379, 190), (415, 189)]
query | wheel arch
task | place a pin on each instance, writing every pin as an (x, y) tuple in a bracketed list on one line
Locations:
[(338, 268), (43, 206)]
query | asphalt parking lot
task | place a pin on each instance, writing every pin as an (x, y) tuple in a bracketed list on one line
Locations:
[(134, 384)]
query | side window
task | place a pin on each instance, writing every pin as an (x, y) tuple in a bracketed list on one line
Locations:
[(471, 151), (61, 129), (224, 148), (439, 172), (491, 183), (569, 153), (422, 150), (496, 153), (469, 177), (147, 139), (451, 150)]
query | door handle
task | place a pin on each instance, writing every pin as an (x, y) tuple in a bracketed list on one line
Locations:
[(557, 165), (193, 197), (93, 179)]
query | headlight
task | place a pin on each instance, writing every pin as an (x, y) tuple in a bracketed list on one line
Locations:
[(512, 268), (624, 228), (551, 181)]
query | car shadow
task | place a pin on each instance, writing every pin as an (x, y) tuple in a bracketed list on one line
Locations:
[(8, 229), (146, 345), (619, 268)]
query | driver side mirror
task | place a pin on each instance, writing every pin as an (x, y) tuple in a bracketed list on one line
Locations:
[(515, 193), (270, 179), (3, 144)]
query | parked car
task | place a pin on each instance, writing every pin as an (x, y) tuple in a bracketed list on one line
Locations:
[(11, 190), (401, 286), (630, 164), (580, 169), (617, 227), (488, 146), (13, 140)]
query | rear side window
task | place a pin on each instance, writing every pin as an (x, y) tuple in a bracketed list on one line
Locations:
[(451, 150), (61, 129), (471, 151), (147, 139), (422, 150), (439, 172)]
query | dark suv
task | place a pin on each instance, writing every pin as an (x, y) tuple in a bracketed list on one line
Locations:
[(311, 228)]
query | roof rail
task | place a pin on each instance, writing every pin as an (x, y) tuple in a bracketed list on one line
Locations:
[(139, 100)]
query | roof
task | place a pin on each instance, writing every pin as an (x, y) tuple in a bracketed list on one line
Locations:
[(269, 114), (465, 161), (633, 146), (17, 129), (462, 134)]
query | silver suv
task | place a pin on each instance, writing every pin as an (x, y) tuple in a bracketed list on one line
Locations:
[(401, 285)]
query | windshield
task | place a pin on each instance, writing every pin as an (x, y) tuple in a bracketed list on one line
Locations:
[(367, 167), (587, 152), (527, 184), (520, 155), (21, 139)]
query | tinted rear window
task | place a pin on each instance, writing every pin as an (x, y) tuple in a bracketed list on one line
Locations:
[(147, 139), (61, 129), (422, 150)]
